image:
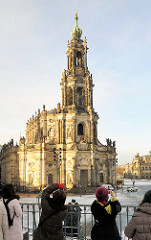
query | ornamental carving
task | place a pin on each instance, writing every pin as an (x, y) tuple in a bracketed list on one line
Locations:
[(31, 164), (31, 147), (69, 163), (51, 120), (83, 145)]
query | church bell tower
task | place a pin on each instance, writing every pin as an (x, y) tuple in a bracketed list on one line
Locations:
[(80, 117), (77, 84)]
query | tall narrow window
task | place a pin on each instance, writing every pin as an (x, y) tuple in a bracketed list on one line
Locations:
[(79, 96), (101, 177), (50, 179), (69, 96), (78, 59), (50, 133), (80, 129)]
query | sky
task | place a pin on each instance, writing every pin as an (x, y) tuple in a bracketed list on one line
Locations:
[(33, 46)]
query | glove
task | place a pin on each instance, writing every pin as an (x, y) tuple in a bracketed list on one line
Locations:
[(60, 186)]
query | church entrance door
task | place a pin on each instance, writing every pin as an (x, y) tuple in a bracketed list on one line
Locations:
[(84, 178)]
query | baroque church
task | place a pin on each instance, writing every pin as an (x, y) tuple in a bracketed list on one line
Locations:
[(139, 168), (61, 144)]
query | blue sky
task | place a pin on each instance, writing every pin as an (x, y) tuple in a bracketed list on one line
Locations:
[(33, 43)]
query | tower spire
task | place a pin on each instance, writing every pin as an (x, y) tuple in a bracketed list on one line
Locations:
[(76, 31), (76, 19)]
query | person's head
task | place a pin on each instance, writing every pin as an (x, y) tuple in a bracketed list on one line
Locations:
[(102, 194), (147, 197), (8, 191), (59, 197)]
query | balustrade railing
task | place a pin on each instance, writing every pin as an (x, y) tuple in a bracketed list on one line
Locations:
[(77, 225)]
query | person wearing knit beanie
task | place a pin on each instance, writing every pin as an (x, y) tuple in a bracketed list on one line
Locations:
[(104, 212), (102, 194)]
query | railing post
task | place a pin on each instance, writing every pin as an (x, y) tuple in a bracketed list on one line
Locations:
[(85, 221)]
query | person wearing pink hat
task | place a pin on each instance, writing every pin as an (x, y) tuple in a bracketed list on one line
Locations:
[(53, 213), (105, 212)]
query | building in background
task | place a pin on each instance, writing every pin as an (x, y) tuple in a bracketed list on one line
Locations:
[(120, 169), (139, 168), (61, 144), (9, 163)]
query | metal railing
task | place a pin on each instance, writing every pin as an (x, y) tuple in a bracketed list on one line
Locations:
[(78, 223)]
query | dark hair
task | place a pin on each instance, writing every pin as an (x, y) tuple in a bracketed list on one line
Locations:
[(59, 197), (147, 197), (8, 191)]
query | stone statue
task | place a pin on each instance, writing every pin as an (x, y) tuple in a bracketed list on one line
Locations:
[(107, 141), (22, 140), (69, 131)]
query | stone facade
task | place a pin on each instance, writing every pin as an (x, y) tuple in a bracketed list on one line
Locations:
[(9, 164), (61, 144), (139, 168)]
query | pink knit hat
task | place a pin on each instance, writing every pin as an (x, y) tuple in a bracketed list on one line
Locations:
[(102, 194)]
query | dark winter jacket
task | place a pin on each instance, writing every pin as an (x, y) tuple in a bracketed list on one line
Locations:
[(139, 227), (105, 227), (52, 227)]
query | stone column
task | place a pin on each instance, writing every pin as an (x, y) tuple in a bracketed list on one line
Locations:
[(71, 63), (30, 133), (73, 96), (88, 89), (65, 96), (68, 62), (92, 98), (43, 165), (86, 97), (83, 59), (74, 130), (45, 122), (58, 139), (60, 131), (27, 135)]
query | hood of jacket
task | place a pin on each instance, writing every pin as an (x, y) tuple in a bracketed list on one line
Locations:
[(143, 208)]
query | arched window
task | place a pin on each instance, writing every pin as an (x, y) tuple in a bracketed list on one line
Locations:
[(50, 133), (78, 59), (79, 96), (101, 177), (80, 129)]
